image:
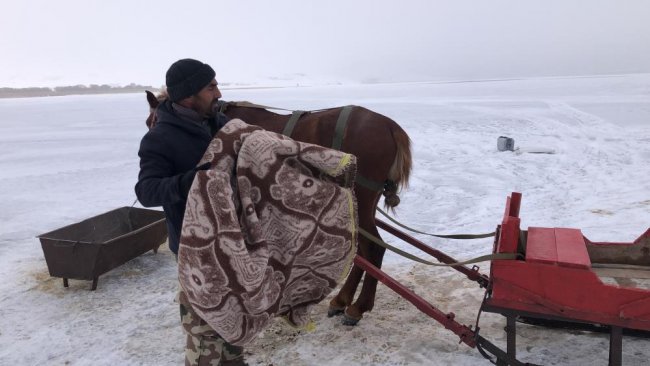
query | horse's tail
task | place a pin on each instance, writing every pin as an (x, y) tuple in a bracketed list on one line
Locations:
[(400, 171)]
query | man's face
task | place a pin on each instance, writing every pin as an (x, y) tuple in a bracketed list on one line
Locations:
[(203, 101)]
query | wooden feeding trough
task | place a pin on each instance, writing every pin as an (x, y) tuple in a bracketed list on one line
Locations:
[(92, 247)]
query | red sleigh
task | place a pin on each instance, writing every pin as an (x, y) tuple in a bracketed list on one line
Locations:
[(557, 277), (560, 279)]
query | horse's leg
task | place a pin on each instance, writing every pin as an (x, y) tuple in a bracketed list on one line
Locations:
[(366, 299), (346, 294), (397, 175), (366, 202)]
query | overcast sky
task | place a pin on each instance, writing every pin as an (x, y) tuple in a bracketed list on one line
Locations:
[(64, 42)]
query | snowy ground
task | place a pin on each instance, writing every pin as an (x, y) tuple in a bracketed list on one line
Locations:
[(64, 159)]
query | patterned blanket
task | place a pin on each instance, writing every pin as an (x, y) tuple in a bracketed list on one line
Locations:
[(269, 229)]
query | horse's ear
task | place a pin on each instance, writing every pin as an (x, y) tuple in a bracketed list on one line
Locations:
[(151, 98)]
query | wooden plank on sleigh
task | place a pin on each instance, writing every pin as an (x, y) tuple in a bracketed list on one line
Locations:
[(564, 247), (621, 271)]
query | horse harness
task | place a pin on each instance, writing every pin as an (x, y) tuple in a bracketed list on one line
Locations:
[(339, 132), (337, 142)]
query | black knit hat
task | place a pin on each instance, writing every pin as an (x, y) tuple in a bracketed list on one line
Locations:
[(187, 77)]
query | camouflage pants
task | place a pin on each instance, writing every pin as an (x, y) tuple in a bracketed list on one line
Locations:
[(204, 346)]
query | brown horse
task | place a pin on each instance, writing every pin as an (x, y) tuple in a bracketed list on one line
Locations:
[(383, 154)]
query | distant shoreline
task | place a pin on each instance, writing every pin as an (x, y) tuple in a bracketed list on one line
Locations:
[(64, 91), (72, 90), (93, 89)]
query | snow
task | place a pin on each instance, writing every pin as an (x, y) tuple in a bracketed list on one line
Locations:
[(64, 159)]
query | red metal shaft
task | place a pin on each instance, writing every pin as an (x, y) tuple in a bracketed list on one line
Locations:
[(465, 333)]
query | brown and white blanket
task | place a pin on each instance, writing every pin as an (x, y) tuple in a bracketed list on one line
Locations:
[(269, 229)]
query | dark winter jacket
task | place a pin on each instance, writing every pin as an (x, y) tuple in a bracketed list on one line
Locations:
[(167, 152)]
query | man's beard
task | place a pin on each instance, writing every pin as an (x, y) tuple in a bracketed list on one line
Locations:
[(214, 109), (209, 111)]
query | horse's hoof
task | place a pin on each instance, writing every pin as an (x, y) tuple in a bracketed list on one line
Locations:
[(334, 312), (349, 321)]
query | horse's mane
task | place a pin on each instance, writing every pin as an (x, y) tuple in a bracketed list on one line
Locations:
[(162, 95)]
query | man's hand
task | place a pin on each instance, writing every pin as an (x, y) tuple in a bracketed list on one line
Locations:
[(188, 177)]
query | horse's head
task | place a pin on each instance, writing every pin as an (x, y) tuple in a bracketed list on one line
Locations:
[(154, 101)]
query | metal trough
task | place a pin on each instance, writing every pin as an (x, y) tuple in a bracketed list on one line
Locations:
[(94, 246)]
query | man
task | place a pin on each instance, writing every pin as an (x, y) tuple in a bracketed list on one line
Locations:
[(169, 153)]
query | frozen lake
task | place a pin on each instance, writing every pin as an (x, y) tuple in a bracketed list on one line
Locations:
[(64, 159)]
